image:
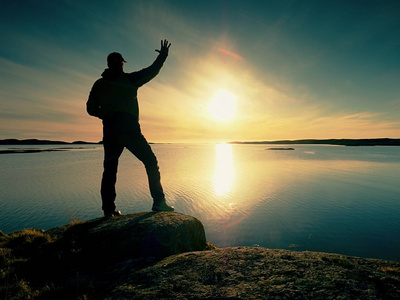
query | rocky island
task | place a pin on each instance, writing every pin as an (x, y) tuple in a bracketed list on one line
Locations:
[(166, 256)]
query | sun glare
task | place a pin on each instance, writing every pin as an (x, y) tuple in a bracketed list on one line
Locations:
[(222, 106), (224, 173)]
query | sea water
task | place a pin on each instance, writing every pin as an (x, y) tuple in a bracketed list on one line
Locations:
[(316, 197)]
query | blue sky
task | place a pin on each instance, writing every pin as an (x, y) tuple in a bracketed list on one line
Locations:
[(298, 69)]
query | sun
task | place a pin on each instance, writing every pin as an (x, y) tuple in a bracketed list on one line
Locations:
[(222, 106)]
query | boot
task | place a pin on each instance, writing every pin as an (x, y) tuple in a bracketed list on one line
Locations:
[(161, 205), (114, 213)]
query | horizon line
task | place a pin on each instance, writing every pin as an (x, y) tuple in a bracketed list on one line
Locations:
[(34, 141)]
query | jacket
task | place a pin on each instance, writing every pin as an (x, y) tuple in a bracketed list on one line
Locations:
[(116, 91)]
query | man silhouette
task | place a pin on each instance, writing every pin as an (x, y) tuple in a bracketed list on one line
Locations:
[(113, 98)]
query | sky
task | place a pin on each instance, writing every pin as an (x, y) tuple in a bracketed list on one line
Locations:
[(236, 71)]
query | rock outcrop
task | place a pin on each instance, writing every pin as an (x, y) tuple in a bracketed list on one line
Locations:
[(145, 234), (260, 273), (158, 256)]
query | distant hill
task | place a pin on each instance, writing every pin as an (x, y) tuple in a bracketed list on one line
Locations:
[(342, 142), (40, 142)]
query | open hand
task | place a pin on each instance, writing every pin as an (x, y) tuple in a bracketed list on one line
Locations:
[(164, 47)]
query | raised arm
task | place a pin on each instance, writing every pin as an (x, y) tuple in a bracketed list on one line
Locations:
[(145, 75)]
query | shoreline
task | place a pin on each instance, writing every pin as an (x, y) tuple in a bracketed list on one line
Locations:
[(339, 142), (37, 150), (43, 142)]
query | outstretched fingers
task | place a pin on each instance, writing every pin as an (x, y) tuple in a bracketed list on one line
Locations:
[(164, 46)]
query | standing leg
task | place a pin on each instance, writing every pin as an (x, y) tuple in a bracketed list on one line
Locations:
[(142, 150), (112, 152)]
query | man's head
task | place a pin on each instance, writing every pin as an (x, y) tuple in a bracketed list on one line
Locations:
[(115, 60)]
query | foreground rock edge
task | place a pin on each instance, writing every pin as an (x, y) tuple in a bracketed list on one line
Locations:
[(261, 273)]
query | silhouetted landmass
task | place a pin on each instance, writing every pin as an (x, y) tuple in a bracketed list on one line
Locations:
[(35, 142), (277, 148), (16, 151), (40, 142), (82, 143), (342, 142)]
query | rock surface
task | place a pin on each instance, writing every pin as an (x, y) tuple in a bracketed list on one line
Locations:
[(135, 235), (162, 256), (260, 273)]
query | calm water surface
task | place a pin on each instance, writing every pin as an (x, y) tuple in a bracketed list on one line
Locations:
[(319, 198)]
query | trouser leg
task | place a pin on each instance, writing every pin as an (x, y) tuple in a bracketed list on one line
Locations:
[(112, 153), (142, 150)]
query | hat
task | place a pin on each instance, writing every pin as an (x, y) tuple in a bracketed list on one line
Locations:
[(115, 57)]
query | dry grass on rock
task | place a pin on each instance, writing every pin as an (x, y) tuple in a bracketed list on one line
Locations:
[(260, 273)]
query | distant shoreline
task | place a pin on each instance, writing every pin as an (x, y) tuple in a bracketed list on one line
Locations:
[(43, 142), (340, 142), (35, 142)]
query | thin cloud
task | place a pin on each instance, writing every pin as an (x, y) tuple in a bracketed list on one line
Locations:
[(230, 54)]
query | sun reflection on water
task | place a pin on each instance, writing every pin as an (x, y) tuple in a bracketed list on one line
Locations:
[(224, 173)]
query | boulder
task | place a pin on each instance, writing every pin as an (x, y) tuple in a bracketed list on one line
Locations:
[(135, 235)]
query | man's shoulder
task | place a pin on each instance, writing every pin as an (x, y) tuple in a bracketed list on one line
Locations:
[(97, 83), (100, 80), (105, 82), (134, 76)]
